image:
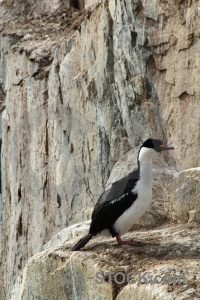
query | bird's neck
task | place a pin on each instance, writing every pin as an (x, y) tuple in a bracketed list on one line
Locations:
[(146, 173), (145, 165)]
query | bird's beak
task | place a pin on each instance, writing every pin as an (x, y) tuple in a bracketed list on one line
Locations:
[(163, 148)]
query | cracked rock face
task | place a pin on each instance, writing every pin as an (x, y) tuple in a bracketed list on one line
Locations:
[(80, 88), (166, 267)]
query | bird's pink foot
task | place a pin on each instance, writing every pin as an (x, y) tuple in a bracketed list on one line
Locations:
[(131, 243)]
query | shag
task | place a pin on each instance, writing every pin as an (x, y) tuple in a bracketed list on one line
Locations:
[(127, 200)]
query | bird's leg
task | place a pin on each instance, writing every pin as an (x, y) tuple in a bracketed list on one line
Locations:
[(132, 243)]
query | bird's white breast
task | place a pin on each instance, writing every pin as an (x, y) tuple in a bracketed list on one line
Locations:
[(140, 205)]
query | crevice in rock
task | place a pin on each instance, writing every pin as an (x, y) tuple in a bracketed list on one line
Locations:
[(60, 92), (71, 148), (88, 190), (41, 73), (45, 96), (104, 154), (183, 96), (14, 38), (162, 71), (92, 90), (19, 83), (45, 182), (151, 71), (74, 202), (57, 70), (59, 200), (133, 38), (44, 211), (20, 265), (47, 141), (19, 227), (83, 160), (128, 70), (19, 193), (138, 7), (110, 50), (2, 97), (9, 196), (20, 158), (78, 4)]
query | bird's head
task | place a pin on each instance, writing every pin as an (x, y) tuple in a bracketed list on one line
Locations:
[(156, 145), (150, 147)]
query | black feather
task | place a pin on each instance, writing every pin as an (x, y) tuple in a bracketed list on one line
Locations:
[(118, 189), (82, 242), (107, 213)]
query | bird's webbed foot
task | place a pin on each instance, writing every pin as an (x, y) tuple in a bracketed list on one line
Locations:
[(128, 242)]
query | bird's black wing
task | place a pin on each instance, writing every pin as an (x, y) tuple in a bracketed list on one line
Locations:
[(118, 189), (109, 211)]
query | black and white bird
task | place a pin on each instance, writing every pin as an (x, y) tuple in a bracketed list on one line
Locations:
[(127, 200)]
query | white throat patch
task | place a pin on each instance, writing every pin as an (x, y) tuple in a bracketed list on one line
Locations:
[(146, 154)]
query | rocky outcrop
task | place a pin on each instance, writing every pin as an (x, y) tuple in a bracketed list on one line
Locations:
[(166, 267), (184, 196), (80, 88)]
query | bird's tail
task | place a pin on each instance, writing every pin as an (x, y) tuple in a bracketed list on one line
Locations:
[(82, 242)]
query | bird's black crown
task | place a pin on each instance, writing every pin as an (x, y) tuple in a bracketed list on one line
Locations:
[(154, 144)]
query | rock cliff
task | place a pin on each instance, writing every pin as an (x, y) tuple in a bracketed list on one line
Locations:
[(78, 89)]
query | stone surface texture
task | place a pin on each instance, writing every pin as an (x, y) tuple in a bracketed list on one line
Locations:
[(80, 89), (169, 251)]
